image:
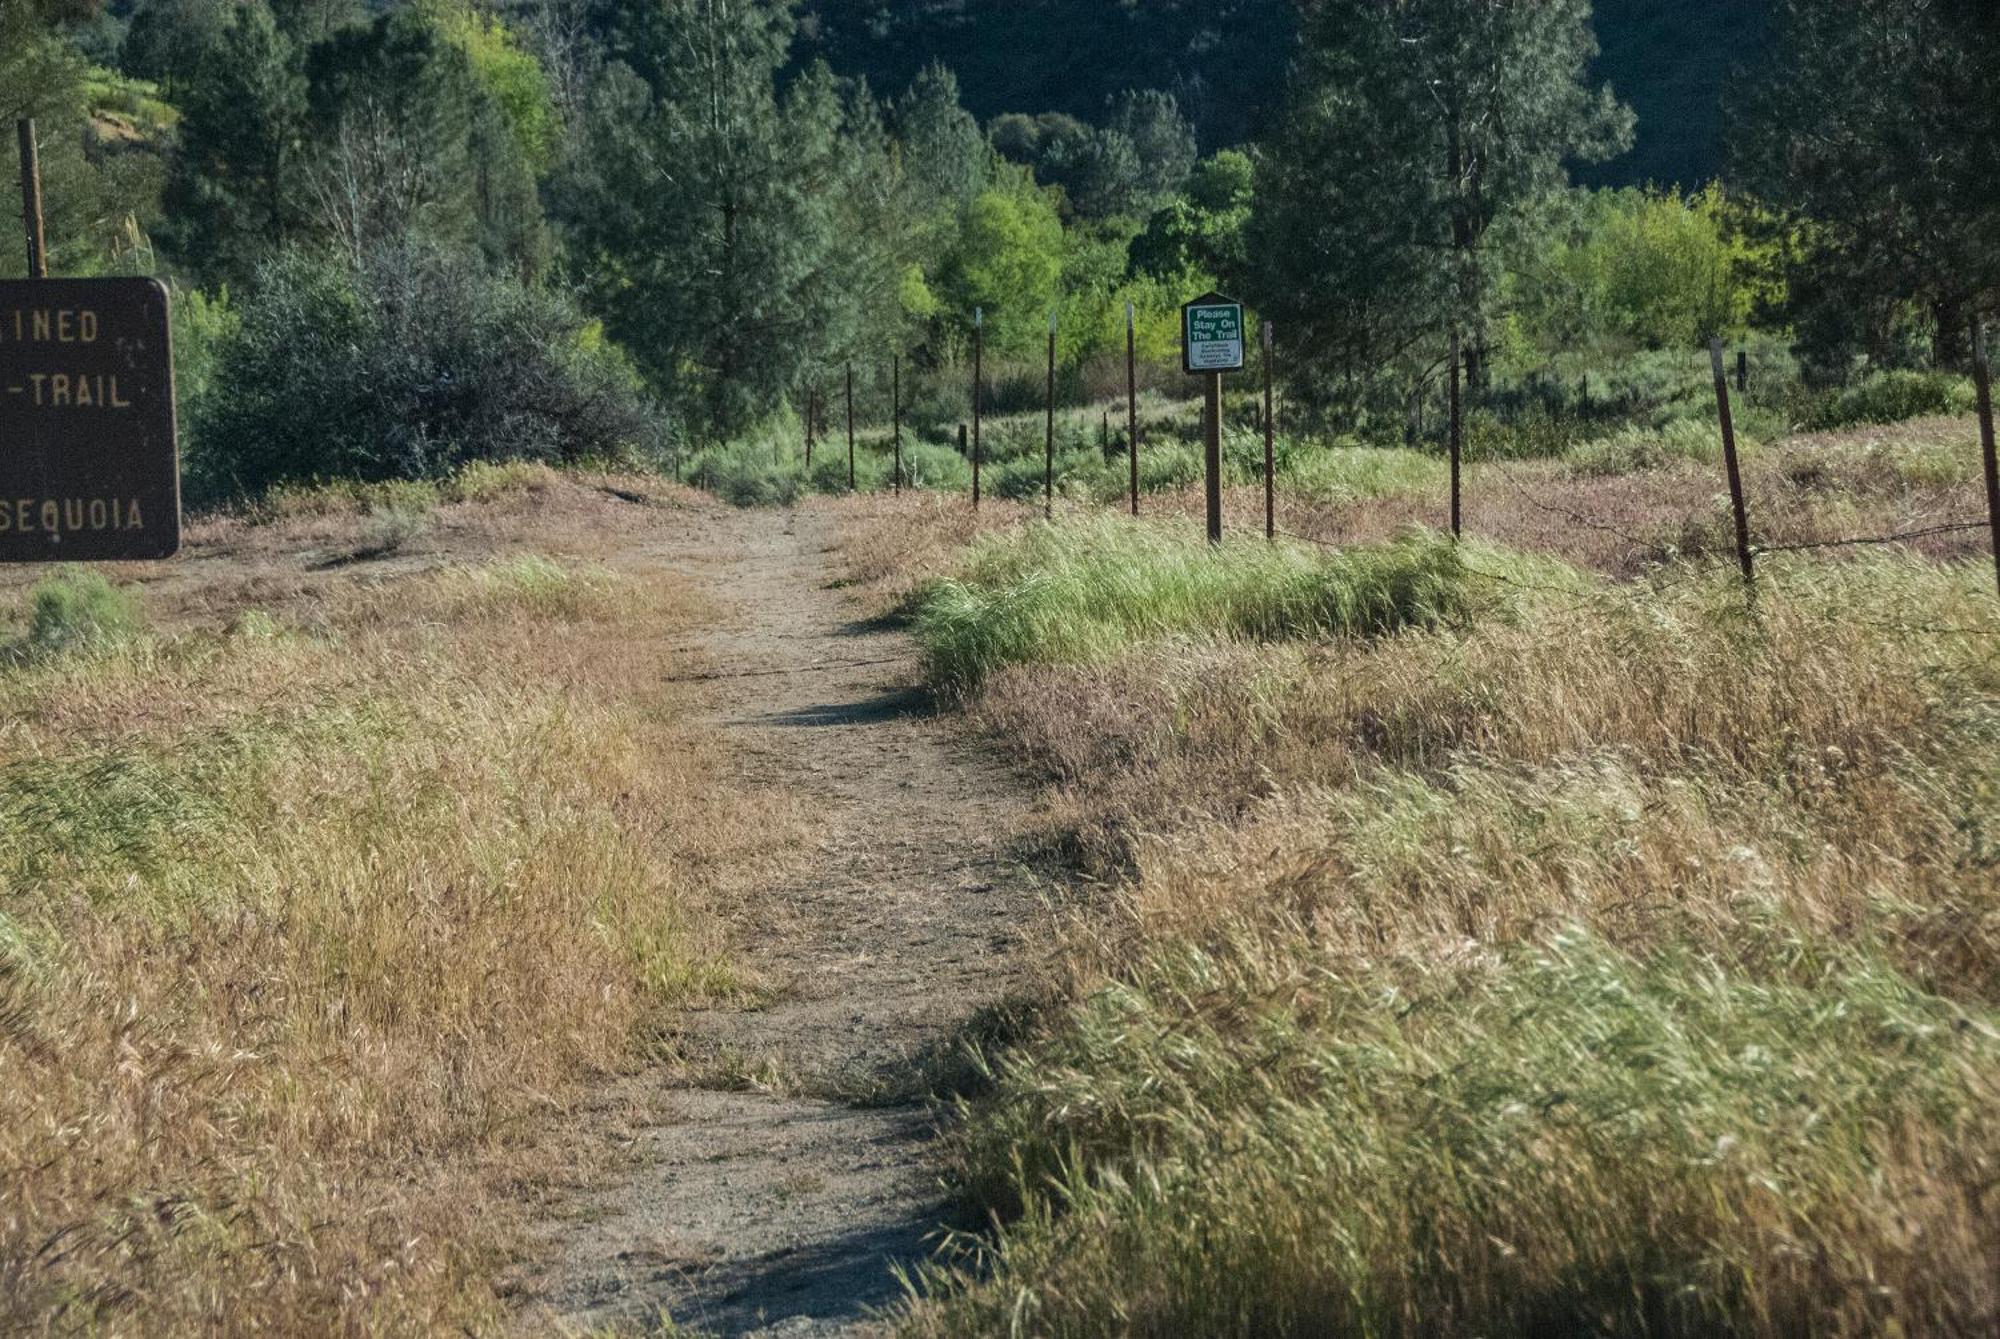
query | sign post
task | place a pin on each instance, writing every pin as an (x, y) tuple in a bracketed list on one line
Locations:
[(31, 198), (1211, 344), (89, 470)]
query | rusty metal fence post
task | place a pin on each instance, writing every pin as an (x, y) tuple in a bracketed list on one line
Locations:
[(978, 385), (1729, 461), (896, 414), (1457, 430), (1270, 442), (1132, 400), (1049, 441), (850, 427), (1982, 377)]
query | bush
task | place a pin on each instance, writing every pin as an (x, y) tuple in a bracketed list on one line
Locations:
[(1081, 593), (1347, 473), (75, 608), (1636, 449), (1891, 397), (406, 369)]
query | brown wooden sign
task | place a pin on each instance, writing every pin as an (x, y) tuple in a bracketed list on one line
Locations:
[(89, 470)]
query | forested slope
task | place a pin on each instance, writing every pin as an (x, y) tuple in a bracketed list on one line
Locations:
[(1225, 61)]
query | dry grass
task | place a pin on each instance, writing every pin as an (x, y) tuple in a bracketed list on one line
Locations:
[(892, 547), (1619, 962), (1808, 490), (318, 918)]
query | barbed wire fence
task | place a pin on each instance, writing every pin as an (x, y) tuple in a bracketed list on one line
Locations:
[(1749, 541)]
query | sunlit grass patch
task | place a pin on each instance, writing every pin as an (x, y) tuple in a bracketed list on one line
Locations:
[(1084, 592), (488, 480), (1335, 473), (527, 582), (77, 609), (1623, 957), (294, 919), (1633, 449), (1552, 1136)]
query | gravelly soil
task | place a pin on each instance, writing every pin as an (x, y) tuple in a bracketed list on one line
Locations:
[(785, 1182)]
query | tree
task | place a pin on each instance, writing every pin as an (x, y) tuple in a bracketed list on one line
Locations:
[(1651, 268), (413, 141), (1202, 231), (1008, 261), (1893, 179), (1411, 127), (945, 158), (707, 210), (1161, 137), (235, 190), (168, 39), (98, 198)]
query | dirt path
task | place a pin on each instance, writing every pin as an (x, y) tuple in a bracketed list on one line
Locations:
[(778, 1198)]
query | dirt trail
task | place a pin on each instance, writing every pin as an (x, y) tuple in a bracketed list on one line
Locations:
[(752, 1213)]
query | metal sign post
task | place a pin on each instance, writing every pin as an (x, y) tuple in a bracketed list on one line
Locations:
[(31, 199), (89, 469), (1211, 344)]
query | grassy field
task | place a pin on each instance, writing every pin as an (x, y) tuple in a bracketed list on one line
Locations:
[(1528, 937), (337, 857)]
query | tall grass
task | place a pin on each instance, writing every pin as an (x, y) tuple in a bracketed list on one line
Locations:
[(1088, 590), (75, 608), (1548, 1137), (1615, 960), (306, 933)]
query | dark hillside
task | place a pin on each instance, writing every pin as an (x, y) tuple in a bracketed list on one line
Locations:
[(1669, 60), (1225, 60)]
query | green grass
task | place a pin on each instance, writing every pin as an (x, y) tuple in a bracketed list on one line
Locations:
[(1083, 592), (1633, 449), (76, 609), (1892, 397), (1341, 473), (1585, 958), (1546, 1138)]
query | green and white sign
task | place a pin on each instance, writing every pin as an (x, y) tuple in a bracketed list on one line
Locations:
[(1212, 334)]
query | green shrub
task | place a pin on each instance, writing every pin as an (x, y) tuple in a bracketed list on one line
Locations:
[(75, 608), (1348, 473), (1084, 592), (408, 368), (1636, 449), (928, 465), (745, 474), (1891, 397)]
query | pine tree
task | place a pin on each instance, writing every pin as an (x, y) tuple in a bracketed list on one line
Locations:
[(709, 211), (1412, 128), (235, 192), (945, 158), (1895, 176), (410, 141)]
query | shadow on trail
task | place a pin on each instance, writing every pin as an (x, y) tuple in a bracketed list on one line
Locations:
[(818, 1288), (898, 704)]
